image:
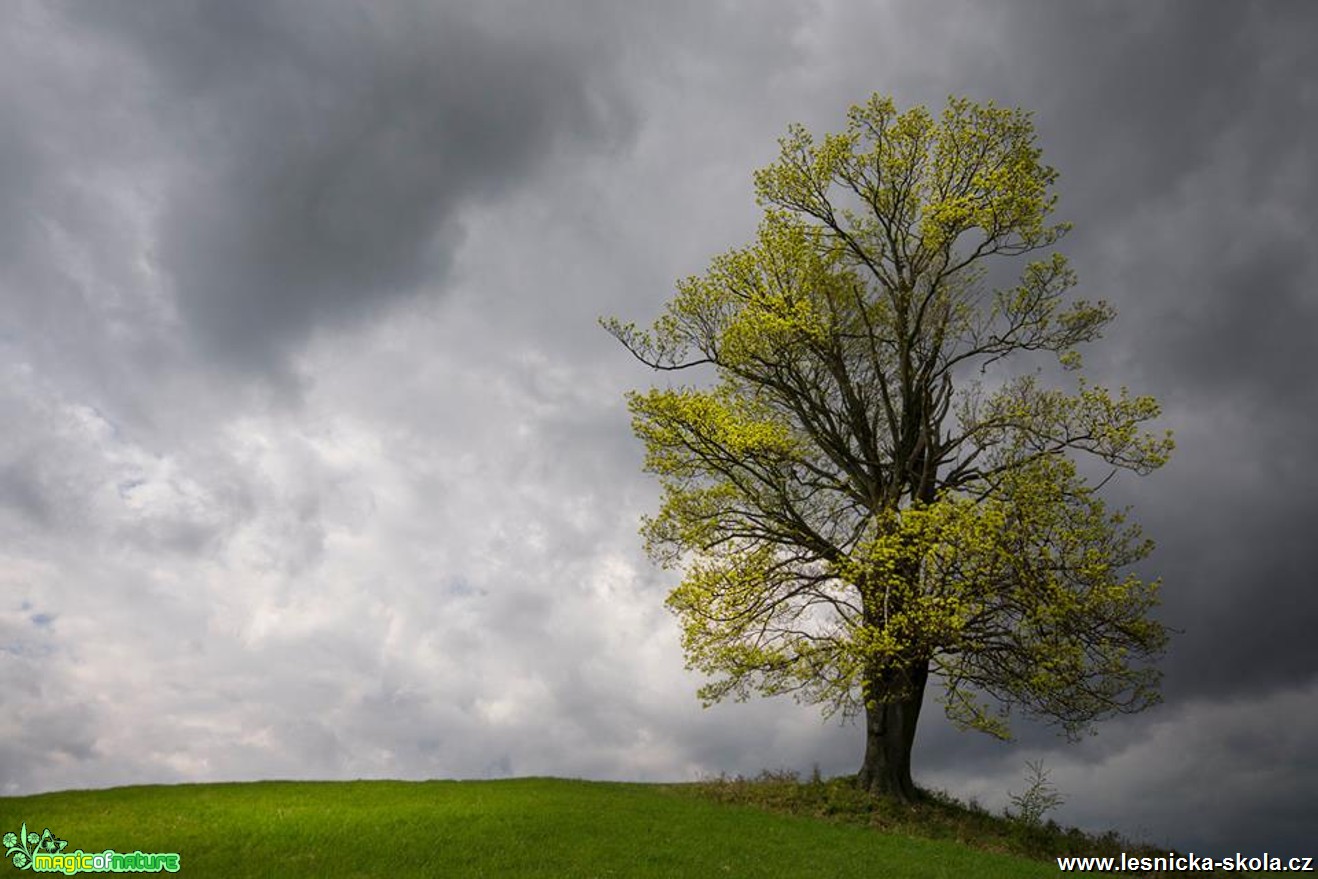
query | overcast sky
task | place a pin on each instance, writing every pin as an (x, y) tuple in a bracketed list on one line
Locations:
[(315, 463)]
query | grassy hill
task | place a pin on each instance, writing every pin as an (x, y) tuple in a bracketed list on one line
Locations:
[(517, 828)]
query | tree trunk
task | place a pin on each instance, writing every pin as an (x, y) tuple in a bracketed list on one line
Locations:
[(890, 734)]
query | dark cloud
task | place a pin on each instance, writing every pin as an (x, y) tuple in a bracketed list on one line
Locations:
[(294, 165), (1251, 343), (329, 151), (1231, 517), (1141, 93), (1182, 137)]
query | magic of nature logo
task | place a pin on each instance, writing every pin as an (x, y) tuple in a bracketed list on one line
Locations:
[(45, 853)]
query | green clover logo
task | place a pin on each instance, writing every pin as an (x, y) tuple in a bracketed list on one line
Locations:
[(21, 846)]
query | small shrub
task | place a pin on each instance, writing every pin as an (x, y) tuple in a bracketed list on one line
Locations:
[(1039, 797)]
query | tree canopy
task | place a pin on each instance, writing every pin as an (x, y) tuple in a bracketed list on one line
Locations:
[(853, 509)]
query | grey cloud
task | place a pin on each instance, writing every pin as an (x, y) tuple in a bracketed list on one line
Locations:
[(21, 490), (1232, 520), (1186, 777), (1265, 317), (1132, 98), (331, 162), (316, 159)]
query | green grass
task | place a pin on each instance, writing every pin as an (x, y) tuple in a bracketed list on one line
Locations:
[(937, 816), (520, 827)]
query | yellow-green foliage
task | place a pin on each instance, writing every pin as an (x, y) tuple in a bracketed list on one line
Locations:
[(845, 501)]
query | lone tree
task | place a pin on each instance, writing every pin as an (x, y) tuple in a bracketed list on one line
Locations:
[(853, 509)]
